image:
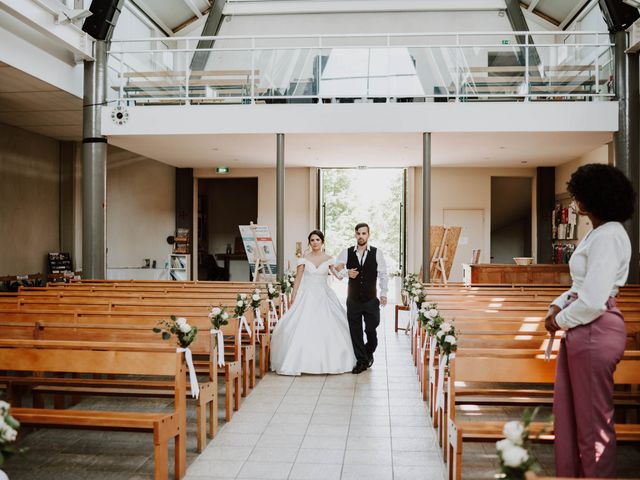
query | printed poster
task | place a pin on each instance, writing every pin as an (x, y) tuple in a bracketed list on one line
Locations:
[(258, 243)]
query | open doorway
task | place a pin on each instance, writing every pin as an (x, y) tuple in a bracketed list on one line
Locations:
[(510, 218), (376, 196), (223, 204)]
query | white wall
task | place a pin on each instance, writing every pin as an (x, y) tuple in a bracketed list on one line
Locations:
[(29, 200), (140, 209), (453, 188), (298, 221)]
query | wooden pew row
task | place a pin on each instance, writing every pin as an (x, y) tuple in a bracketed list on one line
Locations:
[(107, 358), (513, 367), (91, 326), (167, 305)]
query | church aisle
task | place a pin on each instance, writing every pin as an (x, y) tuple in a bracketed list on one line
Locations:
[(373, 425)]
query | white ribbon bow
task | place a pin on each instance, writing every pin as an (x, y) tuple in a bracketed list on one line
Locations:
[(195, 389), (413, 311), (220, 344), (425, 345), (284, 301), (432, 355), (273, 310), (444, 360), (259, 323), (243, 322)]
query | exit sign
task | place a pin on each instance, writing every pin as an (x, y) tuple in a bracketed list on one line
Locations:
[(504, 42), (223, 169)]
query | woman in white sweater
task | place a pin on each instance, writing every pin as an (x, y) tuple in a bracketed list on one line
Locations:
[(595, 336)]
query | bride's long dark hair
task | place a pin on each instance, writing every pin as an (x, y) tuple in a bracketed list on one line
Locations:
[(316, 232)]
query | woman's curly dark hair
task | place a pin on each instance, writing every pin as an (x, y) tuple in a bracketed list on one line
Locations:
[(604, 191)]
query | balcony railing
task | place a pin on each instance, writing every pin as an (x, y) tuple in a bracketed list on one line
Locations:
[(408, 67)]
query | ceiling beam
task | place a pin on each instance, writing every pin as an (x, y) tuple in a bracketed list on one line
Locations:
[(519, 24), (532, 5), (211, 28), (284, 7), (573, 13), (144, 8), (193, 8), (534, 17)]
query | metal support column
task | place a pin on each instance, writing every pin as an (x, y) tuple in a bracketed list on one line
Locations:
[(426, 205), (627, 153), (280, 204), (94, 166)]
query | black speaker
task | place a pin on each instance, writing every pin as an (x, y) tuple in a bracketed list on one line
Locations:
[(100, 25), (618, 15)]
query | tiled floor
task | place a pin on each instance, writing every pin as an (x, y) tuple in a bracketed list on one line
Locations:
[(368, 426)]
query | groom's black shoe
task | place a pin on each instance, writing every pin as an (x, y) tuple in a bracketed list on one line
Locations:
[(359, 368), (370, 362)]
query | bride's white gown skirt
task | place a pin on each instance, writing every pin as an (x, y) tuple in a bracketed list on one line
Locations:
[(313, 337)]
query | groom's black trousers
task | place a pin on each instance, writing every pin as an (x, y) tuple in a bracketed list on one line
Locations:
[(369, 312)]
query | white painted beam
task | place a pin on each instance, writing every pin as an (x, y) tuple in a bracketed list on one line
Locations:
[(284, 7), (29, 58), (532, 5), (43, 20), (193, 8), (156, 19), (367, 118)]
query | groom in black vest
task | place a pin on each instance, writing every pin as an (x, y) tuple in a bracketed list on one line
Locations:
[(365, 265)]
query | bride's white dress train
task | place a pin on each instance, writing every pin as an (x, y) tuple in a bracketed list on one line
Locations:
[(313, 336)]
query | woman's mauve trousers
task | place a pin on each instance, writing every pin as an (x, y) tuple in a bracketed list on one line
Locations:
[(585, 444)]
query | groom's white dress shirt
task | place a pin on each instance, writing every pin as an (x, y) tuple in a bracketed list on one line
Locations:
[(382, 265)]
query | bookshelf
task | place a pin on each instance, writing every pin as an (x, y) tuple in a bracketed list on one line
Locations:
[(179, 266), (564, 223)]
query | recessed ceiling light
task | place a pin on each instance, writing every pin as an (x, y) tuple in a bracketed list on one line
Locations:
[(501, 147), (235, 159), (214, 148), (308, 148), (487, 158), (523, 162)]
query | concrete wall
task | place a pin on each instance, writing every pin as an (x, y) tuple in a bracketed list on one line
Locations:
[(453, 188), (140, 209), (29, 200)]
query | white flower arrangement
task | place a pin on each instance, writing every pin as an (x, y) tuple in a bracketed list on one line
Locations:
[(272, 291), (241, 304), (218, 317), (256, 299), (430, 317), (447, 338), (8, 431), (185, 334), (514, 450)]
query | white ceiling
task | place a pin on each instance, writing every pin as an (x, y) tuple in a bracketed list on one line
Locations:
[(34, 105), (374, 150)]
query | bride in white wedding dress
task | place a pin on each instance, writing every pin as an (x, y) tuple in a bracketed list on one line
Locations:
[(313, 336)]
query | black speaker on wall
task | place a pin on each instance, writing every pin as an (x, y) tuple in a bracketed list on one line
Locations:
[(100, 25), (618, 15)]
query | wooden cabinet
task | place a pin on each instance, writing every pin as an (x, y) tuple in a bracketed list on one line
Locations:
[(496, 273)]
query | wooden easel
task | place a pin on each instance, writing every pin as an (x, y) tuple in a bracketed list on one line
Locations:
[(437, 267), (262, 265)]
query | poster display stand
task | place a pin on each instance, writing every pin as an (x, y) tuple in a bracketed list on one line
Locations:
[(261, 254)]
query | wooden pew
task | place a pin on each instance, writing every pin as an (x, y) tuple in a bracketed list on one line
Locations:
[(513, 367), (107, 358)]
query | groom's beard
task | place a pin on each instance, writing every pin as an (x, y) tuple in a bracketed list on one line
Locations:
[(362, 242)]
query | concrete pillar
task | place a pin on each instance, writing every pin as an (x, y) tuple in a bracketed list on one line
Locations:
[(280, 203), (94, 166), (625, 140), (426, 205)]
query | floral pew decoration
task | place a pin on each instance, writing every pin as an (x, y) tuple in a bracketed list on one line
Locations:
[(514, 451), (185, 335), (218, 317), (256, 302), (447, 342), (417, 295), (273, 292), (286, 287), (8, 433), (242, 305)]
